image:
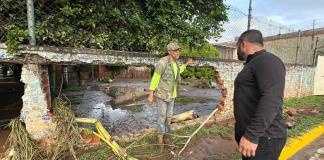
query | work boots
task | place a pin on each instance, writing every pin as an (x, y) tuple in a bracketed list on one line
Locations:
[(160, 140), (167, 139)]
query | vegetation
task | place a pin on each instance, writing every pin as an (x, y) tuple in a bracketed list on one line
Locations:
[(82, 68), (75, 88), (199, 73), (22, 147), (184, 100), (207, 50), (116, 70), (145, 148), (305, 101), (119, 25), (305, 122)]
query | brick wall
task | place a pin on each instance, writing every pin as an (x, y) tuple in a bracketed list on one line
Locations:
[(36, 101), (43, 72), (132, 72)]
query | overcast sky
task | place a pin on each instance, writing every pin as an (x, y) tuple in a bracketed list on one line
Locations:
[(284, 11), (272, 17)]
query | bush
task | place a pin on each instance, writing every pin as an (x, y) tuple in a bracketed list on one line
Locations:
[(199, 73), (207, 50)]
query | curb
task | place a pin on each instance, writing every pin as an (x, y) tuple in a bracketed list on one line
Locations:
[(295, 144)]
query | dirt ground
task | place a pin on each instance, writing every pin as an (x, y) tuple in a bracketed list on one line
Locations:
[(3, 138), (211, 148)]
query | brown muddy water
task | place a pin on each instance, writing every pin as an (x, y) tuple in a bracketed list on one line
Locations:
[(121, 106)]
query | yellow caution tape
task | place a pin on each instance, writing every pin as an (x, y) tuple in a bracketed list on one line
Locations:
[(105, 136), (296, 144)]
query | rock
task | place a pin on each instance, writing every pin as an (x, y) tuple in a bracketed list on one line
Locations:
[(224, 92), (213, 84), (149, 130), (320, 151), (202, 83), (184, 83), (292, 112), (309, 111), (291, 124), (184, 116)]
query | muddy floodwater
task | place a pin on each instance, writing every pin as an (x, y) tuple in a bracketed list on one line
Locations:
[(121, 106)]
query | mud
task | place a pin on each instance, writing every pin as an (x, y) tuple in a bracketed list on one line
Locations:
[(211, 148), (132, 114)]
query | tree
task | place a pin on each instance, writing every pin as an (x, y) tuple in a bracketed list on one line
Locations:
[(132, 25)]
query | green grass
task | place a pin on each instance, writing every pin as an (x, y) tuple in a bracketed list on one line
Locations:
[(305, 101), (98, 154), (144, 146), (236, 156), (305, 122), (213, 129), (75, 88)]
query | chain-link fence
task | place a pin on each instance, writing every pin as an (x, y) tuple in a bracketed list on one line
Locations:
[(13, 19), (57, 24), (294, 44)]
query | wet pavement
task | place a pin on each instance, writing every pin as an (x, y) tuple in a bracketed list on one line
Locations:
[(135, 114), (313, 151)]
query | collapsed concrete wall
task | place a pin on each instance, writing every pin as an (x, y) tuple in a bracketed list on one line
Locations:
[(299, 79), (36, 102)]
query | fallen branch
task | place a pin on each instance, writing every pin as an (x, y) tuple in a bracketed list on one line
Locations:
[(184, 116), (145, 145), (197, 130)]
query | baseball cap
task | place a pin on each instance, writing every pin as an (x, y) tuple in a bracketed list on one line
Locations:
[(173, 46)]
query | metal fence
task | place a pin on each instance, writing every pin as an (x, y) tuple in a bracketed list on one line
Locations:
[(294, 44)]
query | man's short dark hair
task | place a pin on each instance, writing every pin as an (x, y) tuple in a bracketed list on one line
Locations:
[(252, 36)]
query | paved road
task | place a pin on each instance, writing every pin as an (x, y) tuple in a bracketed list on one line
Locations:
[(313, 151)]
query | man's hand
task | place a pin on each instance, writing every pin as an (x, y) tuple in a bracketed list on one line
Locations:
[(189, 61), (247, 148), (150, 98)]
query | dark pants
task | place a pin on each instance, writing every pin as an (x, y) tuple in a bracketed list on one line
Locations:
[(268, 149)]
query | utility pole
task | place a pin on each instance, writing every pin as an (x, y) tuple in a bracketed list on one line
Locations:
[(313, 34), (250, 15), (298, 46), (31, 22)]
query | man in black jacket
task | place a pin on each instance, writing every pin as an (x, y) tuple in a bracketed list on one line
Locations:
[(260, 129)]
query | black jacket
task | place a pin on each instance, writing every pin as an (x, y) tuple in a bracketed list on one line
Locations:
[(258, 98)]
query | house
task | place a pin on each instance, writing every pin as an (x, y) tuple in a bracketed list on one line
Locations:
[(226, 50)]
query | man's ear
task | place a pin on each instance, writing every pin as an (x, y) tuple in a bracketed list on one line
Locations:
[(244, 43)]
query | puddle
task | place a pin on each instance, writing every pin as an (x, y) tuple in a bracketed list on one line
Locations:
[(211, 147), (122, 108), (124, 95)]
